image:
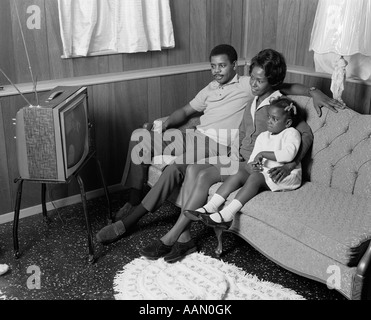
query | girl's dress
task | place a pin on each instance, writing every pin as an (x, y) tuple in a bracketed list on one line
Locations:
[(285, 146)]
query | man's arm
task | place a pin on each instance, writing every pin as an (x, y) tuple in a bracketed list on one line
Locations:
[(319, 98), (176, 118)]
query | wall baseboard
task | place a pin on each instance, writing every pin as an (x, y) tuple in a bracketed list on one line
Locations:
[(60, 203)]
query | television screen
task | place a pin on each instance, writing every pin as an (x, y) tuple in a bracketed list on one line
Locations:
[(76, 133)]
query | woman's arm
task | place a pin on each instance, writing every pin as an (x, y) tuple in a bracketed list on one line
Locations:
[(319, 98)]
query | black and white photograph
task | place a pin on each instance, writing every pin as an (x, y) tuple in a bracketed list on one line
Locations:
[(185, 157)]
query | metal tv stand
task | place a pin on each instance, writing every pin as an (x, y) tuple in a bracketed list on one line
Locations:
[(76, 174)]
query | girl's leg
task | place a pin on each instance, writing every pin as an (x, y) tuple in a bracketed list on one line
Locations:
[(231, 184), (250, 189), (199, 178), (254, 184)]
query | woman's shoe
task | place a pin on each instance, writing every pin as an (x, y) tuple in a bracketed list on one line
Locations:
[(211, 223), (195, 215), (155, 250), (180, 250)]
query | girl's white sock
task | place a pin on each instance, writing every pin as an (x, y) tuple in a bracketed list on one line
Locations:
[(227, 212), (212, 206)]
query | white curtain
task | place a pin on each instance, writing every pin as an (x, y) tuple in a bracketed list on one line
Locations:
[(343, 27), (96, 27)]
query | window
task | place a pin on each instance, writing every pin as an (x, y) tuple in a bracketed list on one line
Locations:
[(96, 27)]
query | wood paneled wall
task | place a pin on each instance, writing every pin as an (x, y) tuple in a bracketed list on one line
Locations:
[(117, 108), (284, 25), (199, 25)]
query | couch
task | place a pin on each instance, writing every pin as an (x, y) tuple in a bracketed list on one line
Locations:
[(323, 229)]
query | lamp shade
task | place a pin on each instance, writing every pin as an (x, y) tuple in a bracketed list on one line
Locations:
[(342, 27)]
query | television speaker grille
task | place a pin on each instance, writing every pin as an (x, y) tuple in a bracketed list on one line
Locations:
[(40, 143)]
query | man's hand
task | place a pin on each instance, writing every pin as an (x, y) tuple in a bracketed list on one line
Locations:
[(157, 126), (322, 100), (277, 174)]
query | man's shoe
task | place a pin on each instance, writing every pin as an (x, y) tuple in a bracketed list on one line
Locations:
[(123, 212), (111, 233), (155, 250), (180, 250)]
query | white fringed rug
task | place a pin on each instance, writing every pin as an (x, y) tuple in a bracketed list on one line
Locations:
[(196, 277)]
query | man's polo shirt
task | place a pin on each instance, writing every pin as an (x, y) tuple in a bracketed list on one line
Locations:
[(223, 107)]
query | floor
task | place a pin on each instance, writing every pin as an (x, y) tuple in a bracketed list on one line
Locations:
[(57, 250)]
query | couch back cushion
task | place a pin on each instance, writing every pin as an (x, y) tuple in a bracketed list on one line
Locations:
[(341, 153)]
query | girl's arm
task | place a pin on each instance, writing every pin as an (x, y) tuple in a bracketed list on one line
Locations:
[(290, 146), (267, 155)]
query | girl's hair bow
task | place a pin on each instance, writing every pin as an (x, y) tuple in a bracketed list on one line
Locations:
[(291, 107)]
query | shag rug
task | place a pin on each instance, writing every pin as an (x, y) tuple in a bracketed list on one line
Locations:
[(196, 277)]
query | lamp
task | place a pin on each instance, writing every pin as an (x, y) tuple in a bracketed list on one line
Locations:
[(341, 41), (338, 78)]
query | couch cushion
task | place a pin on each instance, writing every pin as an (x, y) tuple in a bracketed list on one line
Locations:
[(341, 151), (334, 223)]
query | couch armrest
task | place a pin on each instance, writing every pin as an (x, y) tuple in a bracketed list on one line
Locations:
[(192, 122)]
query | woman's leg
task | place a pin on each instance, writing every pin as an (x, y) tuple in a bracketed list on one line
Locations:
[(199, 178)]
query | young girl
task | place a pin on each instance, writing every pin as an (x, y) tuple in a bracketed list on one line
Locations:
[(273, 148)]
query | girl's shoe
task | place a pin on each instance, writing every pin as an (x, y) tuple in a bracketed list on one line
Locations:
[(211, 223), (195, 215)]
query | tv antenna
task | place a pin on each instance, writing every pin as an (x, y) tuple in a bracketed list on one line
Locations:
[(34, 82)]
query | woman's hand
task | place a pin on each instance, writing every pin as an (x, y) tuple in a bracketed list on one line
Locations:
[(250, 167), (277, 174), (259, 158), (322, 100)]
